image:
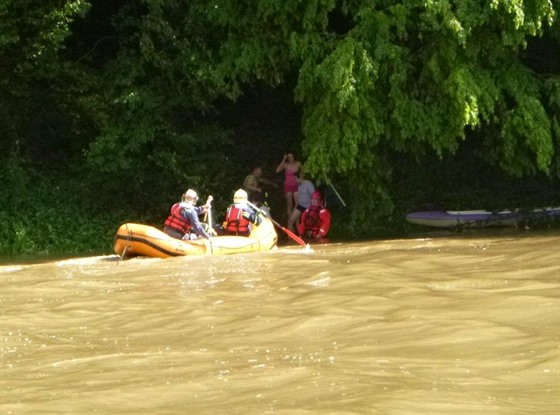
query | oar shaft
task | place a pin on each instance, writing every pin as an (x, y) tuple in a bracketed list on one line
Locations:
[(337, 195), (287, 231), (210, 229)]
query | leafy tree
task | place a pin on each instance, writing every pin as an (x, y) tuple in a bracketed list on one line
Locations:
[(36, 85), (376, 80), (418, 77), (153, 110)]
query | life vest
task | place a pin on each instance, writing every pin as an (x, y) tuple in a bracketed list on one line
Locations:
[(312, 221), (315, 222), (177, 221), (236, 220)]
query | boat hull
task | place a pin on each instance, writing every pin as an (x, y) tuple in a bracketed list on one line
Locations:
[(478, 218), (134, 239)]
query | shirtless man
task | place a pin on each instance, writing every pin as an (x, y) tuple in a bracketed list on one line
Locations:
[(253, 181)]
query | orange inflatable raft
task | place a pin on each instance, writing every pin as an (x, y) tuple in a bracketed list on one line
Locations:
[(134, 239)]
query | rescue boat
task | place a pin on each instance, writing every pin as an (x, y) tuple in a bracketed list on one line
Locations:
[(134, 239)]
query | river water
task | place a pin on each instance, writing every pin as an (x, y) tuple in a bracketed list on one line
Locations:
[(455, 324)]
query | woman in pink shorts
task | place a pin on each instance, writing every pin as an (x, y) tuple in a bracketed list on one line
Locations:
[(290, 166)]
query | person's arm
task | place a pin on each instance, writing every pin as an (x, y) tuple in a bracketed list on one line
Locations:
[(251, 184), (205, 207), (282, 165), (192, 216), (268, 182), (301, 224), (325, 217), (257, 215), (250, 215)]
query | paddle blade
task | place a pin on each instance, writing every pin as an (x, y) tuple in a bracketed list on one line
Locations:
[(288, 232), (294, 236)]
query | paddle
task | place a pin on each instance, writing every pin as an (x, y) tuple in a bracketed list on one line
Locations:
[(209, 214), (208, 217), (337, 195), (208, 203), (288, 232)]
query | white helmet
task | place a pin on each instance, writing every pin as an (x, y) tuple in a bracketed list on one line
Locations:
[(240, 196), (190, 196)]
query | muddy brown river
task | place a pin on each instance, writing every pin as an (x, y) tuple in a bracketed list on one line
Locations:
[(457, 324)]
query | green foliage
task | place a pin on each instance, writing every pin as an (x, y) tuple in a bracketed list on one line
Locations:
[(36, 85), (32, 34), (552, 102), (414, 79), (154, 114), (15, 182), (48, 215)]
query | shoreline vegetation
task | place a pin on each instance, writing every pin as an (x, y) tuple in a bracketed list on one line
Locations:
[(551, 228), (58, 216)]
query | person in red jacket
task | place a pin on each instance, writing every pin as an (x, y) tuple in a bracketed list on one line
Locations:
[(316, 219)]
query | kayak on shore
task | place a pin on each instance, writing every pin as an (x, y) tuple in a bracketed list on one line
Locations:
[(479, 218)]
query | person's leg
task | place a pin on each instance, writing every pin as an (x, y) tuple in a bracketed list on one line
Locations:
[(294, 219), (289, 202)]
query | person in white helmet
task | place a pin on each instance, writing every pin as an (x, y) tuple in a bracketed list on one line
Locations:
[(240, 216), (183, 222)]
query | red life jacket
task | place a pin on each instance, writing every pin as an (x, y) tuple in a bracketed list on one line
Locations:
[(176, 221), (312, 220), (236, 221), (315, 222)]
